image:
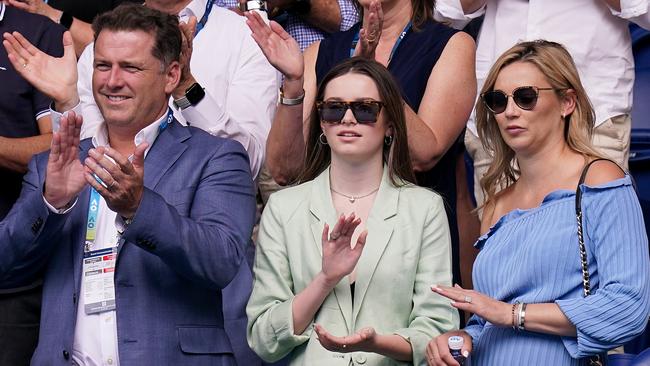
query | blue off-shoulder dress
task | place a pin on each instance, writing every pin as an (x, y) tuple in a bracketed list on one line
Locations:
[(532, 256)]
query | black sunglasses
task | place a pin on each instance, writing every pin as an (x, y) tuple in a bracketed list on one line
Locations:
[(525, 97), (365, 111)]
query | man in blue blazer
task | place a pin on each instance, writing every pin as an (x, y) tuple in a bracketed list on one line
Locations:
[(137, 229)]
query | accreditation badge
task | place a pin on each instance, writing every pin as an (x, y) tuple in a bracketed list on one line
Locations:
[(99, 280)]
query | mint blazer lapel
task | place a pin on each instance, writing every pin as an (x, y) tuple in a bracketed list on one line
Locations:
[(380, 229)]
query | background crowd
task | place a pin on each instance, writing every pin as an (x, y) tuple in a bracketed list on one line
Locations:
[(141, 143)]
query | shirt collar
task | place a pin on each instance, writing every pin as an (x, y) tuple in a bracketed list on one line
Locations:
[(147, 134), (195, 8), (2, 10)]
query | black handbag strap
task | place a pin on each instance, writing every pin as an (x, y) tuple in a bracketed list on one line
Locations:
[(581, 243)]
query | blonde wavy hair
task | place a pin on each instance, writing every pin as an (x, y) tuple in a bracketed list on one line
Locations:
[(555, 62)]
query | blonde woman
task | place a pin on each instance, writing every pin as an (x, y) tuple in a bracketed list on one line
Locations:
[(529, 303)]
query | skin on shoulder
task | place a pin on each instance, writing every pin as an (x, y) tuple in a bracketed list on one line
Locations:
[(603, 171)]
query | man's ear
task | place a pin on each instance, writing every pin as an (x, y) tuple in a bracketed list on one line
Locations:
[(172, 76)]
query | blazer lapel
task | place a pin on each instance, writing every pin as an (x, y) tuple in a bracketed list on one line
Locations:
[(167, 148), (322, 210), (380, 229)]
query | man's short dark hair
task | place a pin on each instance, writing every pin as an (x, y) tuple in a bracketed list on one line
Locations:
[(132, 17)]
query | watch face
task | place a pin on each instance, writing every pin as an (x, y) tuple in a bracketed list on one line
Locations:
[(195, 93)]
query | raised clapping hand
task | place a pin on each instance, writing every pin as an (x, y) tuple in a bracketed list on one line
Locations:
[(54, 77), (339, 258), (363, 340), (65, 175), (187, 34), (370, 32), (282, 51), (123, 180)]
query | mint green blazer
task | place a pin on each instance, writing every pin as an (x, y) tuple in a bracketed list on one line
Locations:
[(407, 250)]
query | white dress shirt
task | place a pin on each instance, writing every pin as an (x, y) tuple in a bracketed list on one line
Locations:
[(596, 36), (95, 335), (241, 87)]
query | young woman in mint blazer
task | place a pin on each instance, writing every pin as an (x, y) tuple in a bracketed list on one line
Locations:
[(345, 260)]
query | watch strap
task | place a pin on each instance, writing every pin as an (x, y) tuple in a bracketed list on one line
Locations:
[(291, 101)]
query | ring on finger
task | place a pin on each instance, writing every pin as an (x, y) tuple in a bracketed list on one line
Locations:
[(334, 236), (468, 299), (110, 187)]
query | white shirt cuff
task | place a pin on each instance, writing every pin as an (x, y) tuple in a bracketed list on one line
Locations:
[(56, 116), (63, 210)]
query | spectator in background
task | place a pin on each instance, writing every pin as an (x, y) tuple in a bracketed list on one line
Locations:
[(25, 129), (329, 247), (530, 303), (307, 21), (75, 15), (596, 34)]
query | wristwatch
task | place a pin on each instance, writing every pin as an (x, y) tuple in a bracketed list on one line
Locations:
[(193, 95), (255, 5)]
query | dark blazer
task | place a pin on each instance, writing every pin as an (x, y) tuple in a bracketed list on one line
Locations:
[(186, 243)]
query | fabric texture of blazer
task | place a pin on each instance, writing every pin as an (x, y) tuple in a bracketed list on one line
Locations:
[(185, 244), (407, 250)]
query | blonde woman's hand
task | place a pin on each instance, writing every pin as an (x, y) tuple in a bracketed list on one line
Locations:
[(437, 351), (496, 312), (339, 257)]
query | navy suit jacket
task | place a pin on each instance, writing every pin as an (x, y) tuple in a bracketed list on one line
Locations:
[(185, 244)]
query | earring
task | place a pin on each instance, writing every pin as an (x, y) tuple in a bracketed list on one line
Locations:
[(322, 139), (563, 117), (388, 140)]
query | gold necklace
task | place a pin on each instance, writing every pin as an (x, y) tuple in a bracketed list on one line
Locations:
[(352, 199)]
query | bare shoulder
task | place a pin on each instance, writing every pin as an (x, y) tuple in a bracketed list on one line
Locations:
[(460, 43), (487, 218), (603, 171)]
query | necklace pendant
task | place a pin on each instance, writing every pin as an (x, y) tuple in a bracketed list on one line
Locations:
[(352, 199)]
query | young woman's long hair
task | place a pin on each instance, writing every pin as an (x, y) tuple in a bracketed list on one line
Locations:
[(396, 155), (555, 62)]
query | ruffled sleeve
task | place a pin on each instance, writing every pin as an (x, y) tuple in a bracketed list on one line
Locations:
[(617, 249)]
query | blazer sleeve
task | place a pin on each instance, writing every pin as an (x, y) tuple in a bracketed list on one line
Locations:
[(431, 314), (209, 245), (618, 308), (29, 233), (270, 318)]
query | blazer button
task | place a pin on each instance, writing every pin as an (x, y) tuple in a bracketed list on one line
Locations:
[(360, 359), (66, 354)]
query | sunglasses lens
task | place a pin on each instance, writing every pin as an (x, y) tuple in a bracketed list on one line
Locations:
[(496, 101), (526, 97), (365, 112), (332, 112)]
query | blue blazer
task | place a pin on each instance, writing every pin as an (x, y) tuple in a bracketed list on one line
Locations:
[(186, 243)]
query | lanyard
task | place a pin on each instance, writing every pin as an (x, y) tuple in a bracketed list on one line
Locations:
[(170, 117), (355, 40), (204, 19), (91, 223)]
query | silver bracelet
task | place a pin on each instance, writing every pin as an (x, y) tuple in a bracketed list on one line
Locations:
[(291, 101), (521, 317)]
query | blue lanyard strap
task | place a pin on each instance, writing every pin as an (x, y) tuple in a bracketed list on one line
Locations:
[(167, 121), (204, 19), (91, 222), (407, 28)]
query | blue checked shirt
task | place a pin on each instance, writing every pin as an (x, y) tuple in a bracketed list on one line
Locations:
[(304, 33)]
